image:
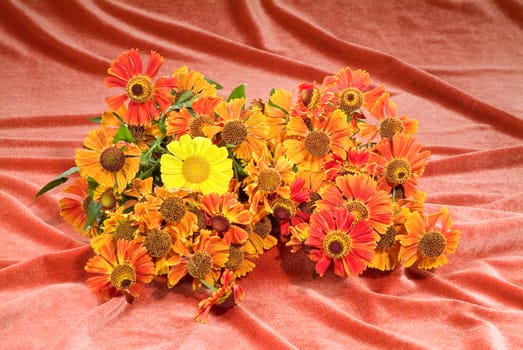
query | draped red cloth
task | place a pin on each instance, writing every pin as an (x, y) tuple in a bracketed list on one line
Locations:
[(456, 66)]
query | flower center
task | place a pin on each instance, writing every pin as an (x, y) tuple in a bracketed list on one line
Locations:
[(283, 209), (195, 169), (397, 172), (124, 231), (234, 132), (390, 126), (200, 264), (263, 227), (337, 244), (269, 180), (387, 239), (197, 124), (173, 209), (123, 276), (112, 159), (220, 223), (226, 301), (432, 244), (140, 88), (108, 199), (236, 257), (137, 132), (317, 143), (399, 193), (358, 209), (311, 99), (350, 99), (157, 243)]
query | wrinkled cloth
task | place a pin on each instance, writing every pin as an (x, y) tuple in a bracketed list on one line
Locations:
[(456, 66)]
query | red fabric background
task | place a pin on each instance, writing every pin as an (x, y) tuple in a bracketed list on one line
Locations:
[(456, 66)]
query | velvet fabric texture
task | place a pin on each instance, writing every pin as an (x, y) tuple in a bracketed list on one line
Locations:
[(456, 66)]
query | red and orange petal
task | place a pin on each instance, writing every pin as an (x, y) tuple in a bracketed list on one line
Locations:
[(419, 225), (401, 148), (308, 149), (355, 162), (74, 207)]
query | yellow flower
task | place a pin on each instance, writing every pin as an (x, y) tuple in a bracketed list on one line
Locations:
[(196, 164)]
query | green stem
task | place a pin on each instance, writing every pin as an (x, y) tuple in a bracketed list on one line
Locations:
[(205, 283)]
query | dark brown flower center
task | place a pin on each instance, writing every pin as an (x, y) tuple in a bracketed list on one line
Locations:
[(220, 223), (387, 239), (263, 227), (337, 244), (200, 264), (236, 257), (140, 88), (350, 99), (124, 231), (283, 209), (157, 243), (123, 276), (173, 209), (234, 132), (269, 180), (317, 143), (137, 132), (112, 159), (358, 209), (390, 126), (197, 124), (397, 172), (311, 99), (432, 244)]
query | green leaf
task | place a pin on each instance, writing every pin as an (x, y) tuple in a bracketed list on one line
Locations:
[(238, 92), (94, 212), (212, 82), (92, 184), (60, 179), (97, 120), (123, 134)]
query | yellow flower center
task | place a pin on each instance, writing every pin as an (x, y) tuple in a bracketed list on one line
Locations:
[(124, 231), (236, 257), (112, 159), (390, 126), (350, 169), (108, 199), (269, 180), (173, 209), (311, 99), (197, 124), (397, 172), (350, 99), (157, 243), (358, 209), (220, 223), (283, 209), (317, 143), (140, 88), (387, 239), (432, 244), (263, 227), (337, 244), (195, 169), (234, 132), (200, 264), (123, 276)]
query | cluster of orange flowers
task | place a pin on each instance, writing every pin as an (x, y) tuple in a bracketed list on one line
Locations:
[(179, 183)]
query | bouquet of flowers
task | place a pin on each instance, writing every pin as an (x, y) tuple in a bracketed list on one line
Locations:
[(180, 183)]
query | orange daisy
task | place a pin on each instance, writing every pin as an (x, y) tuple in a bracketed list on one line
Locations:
[(226, 296), (241, 259), (75, 205), (192, 81), (360, 195), (226, 214), (199, 122), (334, 237), (123, 268), (117, 225), (354, 162), (142, 92), (277, 113), (400, 162), (107, 163), (428, 240), (385, 112), (310, 146), (260, 238), (244, 130), (312, 101)]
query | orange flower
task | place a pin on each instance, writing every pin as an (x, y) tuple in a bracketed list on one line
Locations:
[(228, 295), (143, 94), (360, 196), (244, 129), (334, 237), (385, 112), (277, 114), (117, 225), (192, 81), (310, 146), (224, 213), (201, 122), (400, 162), (354, 162), (428, 239), (75, 205), (107, 163), (122, 269)]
